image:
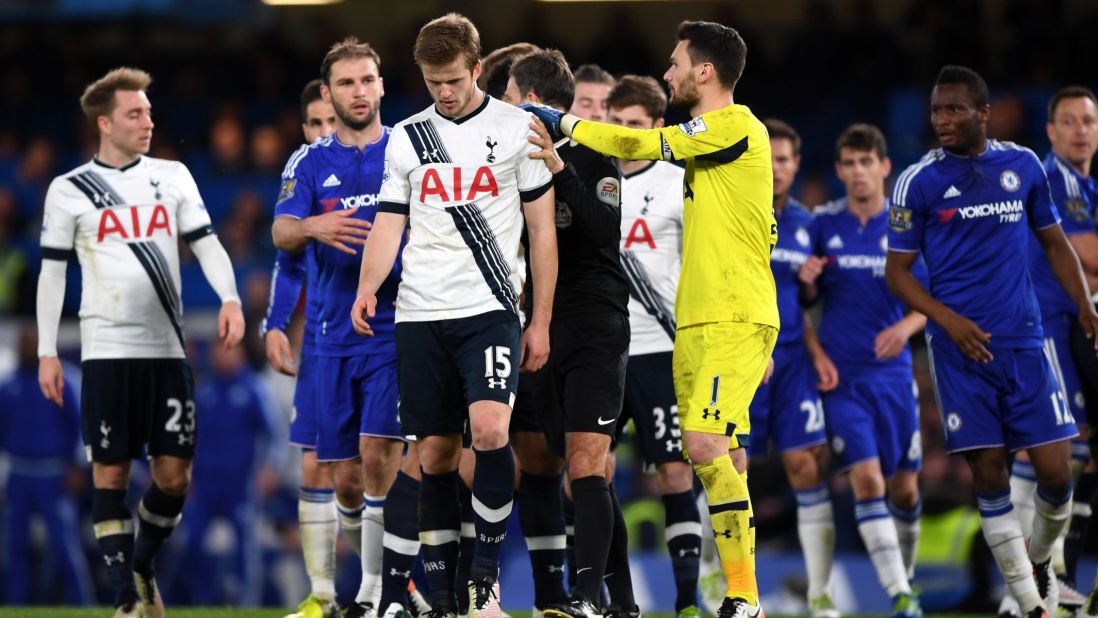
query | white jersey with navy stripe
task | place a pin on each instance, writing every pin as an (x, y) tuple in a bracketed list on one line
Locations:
[(462, 184), (651, 253), (124, 226)]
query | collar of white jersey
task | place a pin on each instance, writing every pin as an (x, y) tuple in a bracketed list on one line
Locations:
[(480, 108), (128, 166)]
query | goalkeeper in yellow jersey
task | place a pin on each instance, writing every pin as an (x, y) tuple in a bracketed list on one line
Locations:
[(726, 309)]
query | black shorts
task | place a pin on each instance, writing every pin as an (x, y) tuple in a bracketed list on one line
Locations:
[(524, 414), (127, 404), (1086, 362), (445, 365), (582, 386), (650, 402)]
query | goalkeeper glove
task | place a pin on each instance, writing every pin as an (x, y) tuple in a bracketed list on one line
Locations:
[(552, 119)]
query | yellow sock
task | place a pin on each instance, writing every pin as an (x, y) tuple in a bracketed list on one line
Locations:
[(733, 525)]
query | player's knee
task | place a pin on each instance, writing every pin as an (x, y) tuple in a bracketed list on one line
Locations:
[(867, 482), (175, 484), (491, 437), (674, 478), (904, 497), (802, 469)]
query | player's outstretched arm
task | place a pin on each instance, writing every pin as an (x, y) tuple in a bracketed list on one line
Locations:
[(970, 338), (50, 300), (377, 262), (337, 229), (1066, 265), (218, 270), (541, 223)]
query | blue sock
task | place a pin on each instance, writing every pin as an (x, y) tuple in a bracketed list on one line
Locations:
[(683, 531), (401, 541), (439, 531), (493, 497), (541, 514), (114, 531)]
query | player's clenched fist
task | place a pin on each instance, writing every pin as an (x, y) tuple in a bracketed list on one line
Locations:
[(811, 269), (279, 353), (365, 307)]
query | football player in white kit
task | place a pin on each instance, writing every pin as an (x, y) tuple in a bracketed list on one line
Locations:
[(122, 215), (459, 175)]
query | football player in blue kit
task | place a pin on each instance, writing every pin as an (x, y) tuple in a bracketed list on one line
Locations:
[(787, 409), (355, 377), (872, 415), (316, 511), (1073, 131), (968, 208)]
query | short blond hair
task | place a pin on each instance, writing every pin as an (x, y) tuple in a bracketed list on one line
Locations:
[(443, 40), (98, 97)]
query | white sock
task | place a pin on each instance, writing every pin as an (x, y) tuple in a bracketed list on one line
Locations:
[(1003, 533), (1023, 488), (350, 521), (373, 536), (816, 530), (879, 535), (906, 521), (1050, 523), (316, 521)]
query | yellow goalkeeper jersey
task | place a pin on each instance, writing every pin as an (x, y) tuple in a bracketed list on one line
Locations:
[(729, 228)]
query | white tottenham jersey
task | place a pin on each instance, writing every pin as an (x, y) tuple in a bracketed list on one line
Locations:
[(651, 253), (124, 226), (461, 183)]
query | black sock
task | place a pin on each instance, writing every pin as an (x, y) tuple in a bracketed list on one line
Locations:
[(594, 518), (683, 530), (493, 498), (1086, 490), (619, 581), (439, 531), (468, 547), (570, 538), (541, 515), (114, 532), (401, 541), (159, 514)]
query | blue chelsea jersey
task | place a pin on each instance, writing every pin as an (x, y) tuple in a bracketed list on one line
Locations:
[(1075, 197), (793, 248), (857, 302), (320, 178), (970, 217)]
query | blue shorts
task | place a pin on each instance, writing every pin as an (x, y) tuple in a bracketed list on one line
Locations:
[(1013, 401), (355, 396), (876, 417), (303, 423), (1058, 348), (787, 408), (447, 365)]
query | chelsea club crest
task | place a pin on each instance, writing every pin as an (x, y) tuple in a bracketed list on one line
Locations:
[(1010, 181)]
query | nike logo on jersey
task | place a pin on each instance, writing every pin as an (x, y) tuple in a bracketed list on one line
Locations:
[(331, 181), (951, 192), (835, 242), (606, 422)]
